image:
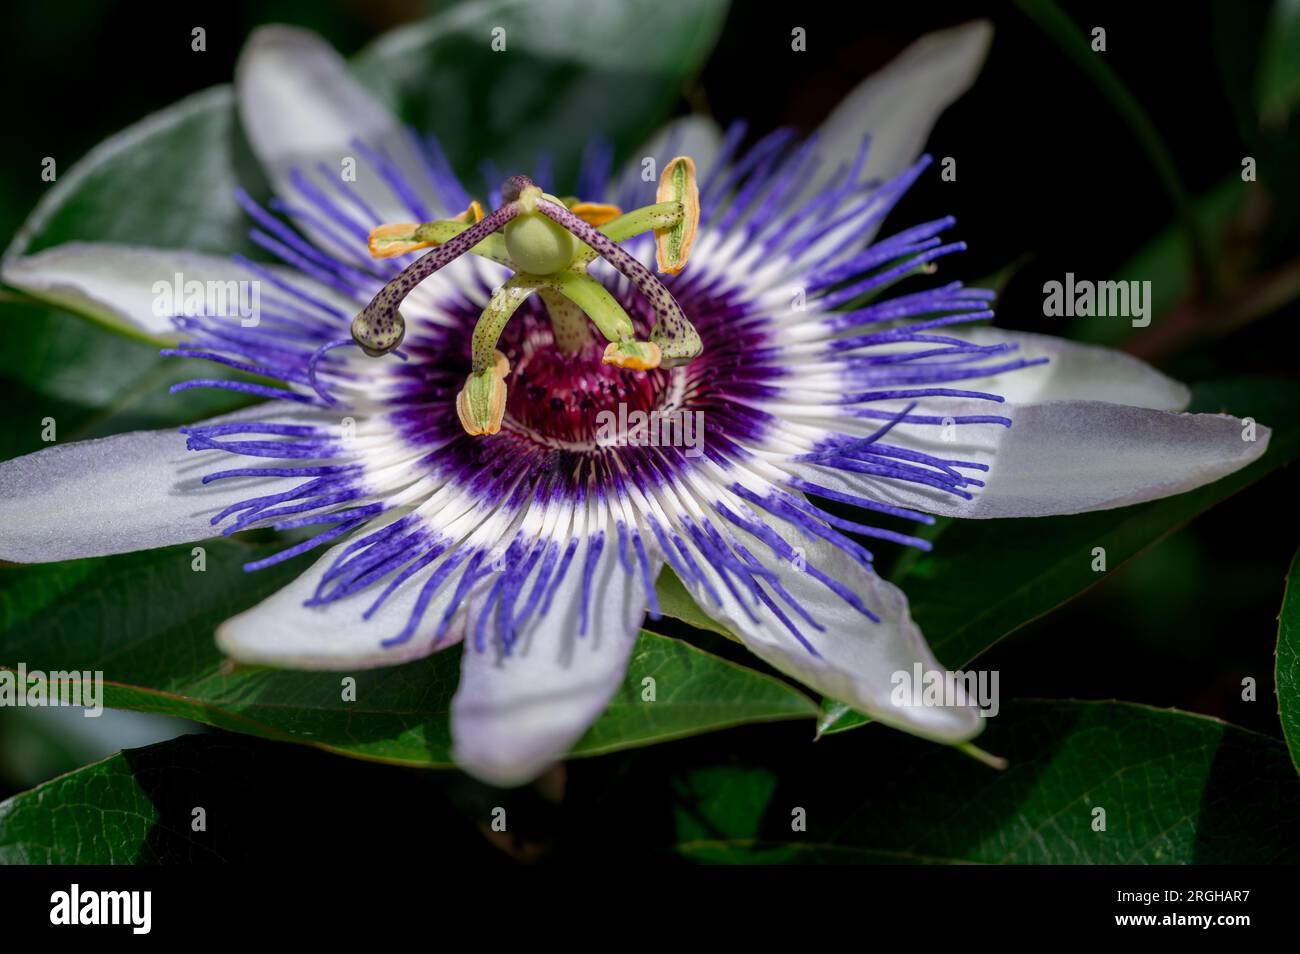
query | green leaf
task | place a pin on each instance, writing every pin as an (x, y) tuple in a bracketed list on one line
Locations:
[(104, 814), (146, 621), (1278, 78), (570, 71), (92, 383), (676, 601), (1176, 788), (696, 692), (138, 807), (987, 578), (169, 180), (1288, 661), (835, 717)]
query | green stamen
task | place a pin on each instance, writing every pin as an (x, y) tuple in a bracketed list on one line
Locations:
[(493, 247), (505, 301), (648, 218)]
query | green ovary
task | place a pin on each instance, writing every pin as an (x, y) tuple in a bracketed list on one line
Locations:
[(538, 245)]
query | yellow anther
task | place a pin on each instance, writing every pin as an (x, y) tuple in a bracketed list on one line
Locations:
[(595, 213), (633, 355), (481, 403), (472, 215), (389, 240), (673, 244)]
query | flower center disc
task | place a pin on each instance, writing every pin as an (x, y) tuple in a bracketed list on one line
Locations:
[(561, 396)]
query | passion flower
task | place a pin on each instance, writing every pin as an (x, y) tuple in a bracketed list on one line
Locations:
[(464, 491)]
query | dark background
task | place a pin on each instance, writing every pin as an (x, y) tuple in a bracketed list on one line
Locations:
[(1049, 179)]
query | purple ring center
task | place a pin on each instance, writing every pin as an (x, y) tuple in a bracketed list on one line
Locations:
[(561, 396)]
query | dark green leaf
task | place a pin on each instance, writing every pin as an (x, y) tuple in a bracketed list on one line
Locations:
[(104, 814), (168, 181), (571, 71), (92, 383), (1288, 661), (1278, 79), (260, 801), (696, 692), (835, 717), (146, 620), (1176, 788), (677, 602)]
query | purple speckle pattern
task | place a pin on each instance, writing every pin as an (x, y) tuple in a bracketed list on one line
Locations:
[(662, 504)]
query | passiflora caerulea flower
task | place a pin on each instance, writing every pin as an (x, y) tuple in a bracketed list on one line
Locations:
[(455, 463)]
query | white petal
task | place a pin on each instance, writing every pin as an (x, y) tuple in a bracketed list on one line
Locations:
[(128, 492), (514, 714), (300, 107), (1063, 457), (857, 660), (134, 288), (899, 105), (281, 631), (1076, 372)]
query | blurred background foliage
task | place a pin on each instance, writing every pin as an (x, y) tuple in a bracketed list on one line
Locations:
[(1051, 177)]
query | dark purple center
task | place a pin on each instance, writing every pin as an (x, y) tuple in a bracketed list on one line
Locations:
[(561, 396)]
